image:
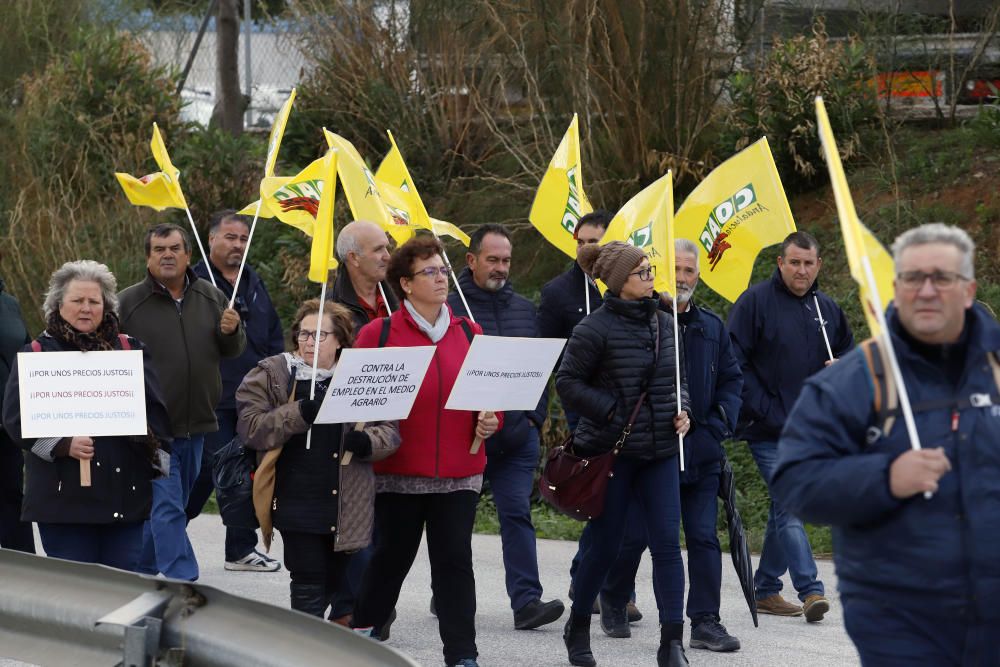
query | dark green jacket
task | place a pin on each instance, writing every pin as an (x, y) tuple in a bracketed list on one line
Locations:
[(186, 345)]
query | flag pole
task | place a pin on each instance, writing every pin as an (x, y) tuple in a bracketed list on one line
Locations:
[(677, 377), (822, 326), (444, 255), (201, 248), (386, 302), (312, 384), (586, 292), (246, 251)]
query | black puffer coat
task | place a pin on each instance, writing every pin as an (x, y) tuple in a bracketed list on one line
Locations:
[(608, 363)]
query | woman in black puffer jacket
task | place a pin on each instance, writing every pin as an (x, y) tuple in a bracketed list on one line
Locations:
[(609, 363)]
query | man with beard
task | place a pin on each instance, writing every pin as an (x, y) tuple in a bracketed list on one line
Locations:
[(228, 234), (188, 328), (512, 454)]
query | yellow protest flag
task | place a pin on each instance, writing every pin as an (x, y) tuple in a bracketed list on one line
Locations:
[(362, 192), (871, 266), (647, 221), (277, 132), (737, 211), (560, 200), (397, 186), (321, 252), (160, 190)]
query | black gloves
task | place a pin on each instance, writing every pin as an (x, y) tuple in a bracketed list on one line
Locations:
[(310, 408), (359, 443)]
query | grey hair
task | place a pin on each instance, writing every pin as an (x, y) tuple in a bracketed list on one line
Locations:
[(86, 270), (937, 232), (688, 246), (347, 240)]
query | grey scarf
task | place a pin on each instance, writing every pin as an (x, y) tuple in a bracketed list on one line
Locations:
[(434, 331)]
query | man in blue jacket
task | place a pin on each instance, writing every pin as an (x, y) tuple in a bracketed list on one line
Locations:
[(783, 331), (228, 234), (916, 532), (512, 454), (714, 382)]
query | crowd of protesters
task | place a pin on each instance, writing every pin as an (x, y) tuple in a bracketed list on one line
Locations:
[(352, 501)]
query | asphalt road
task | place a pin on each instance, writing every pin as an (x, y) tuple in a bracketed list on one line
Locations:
[(778, 641)]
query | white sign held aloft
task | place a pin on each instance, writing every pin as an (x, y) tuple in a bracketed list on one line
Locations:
[(82, 393), (504, 373), (375, 384)]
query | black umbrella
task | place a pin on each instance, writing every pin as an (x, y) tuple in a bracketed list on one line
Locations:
[(739, 548)]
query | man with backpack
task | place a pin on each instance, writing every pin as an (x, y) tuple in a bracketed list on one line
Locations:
[(916, 540)]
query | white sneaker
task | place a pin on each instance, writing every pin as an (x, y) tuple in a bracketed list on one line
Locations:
[(254, 562)]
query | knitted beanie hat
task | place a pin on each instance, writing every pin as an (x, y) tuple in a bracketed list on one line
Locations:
[(611, 262)]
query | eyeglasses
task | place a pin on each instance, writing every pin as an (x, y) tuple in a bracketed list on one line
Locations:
[(432, 271), (304, 335), (646, 273), (942, 280)]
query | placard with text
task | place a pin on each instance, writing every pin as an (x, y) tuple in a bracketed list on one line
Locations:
[(504, 373)]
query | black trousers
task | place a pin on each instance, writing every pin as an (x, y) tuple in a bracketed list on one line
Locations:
[(312, 562), (14, 533), (402, 518)]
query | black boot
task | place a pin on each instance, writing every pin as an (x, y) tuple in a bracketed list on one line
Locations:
[(577, 638), (311, 599), (671, 651)]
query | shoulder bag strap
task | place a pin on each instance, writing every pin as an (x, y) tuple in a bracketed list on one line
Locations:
[(642, 397)]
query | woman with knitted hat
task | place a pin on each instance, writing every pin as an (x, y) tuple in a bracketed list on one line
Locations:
[(619, 366)]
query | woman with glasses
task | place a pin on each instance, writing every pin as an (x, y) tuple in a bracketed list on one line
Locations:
[(322, 508), (433, 481), (619, 367)]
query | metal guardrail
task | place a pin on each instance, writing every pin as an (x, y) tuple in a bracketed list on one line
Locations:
[(57, 612)]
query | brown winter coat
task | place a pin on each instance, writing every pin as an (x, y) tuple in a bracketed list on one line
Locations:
[(267, 420)]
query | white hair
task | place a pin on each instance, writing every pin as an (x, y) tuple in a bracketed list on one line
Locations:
[(86, 270), (347, 240), (688, 246), (937, 232)]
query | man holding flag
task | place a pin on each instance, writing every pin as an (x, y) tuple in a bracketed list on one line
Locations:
[(783, 331), (918, 572)]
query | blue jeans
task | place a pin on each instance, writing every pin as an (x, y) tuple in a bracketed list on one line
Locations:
[(239, 541), (654, 486), (896, 636), (699, 512), (345, 596), (786, 546), (165, 545), (512, 479), (113, 544)]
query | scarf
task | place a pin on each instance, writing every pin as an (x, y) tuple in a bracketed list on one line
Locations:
[(103, 337), (303, 370), (434, 331)]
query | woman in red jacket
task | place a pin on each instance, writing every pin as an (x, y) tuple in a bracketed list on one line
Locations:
[(433, 480)]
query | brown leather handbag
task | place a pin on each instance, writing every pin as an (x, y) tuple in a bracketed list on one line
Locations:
[(576, 485)]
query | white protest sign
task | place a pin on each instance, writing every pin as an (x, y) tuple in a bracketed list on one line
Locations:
[(81, 393), (375, 384), (504, 373)]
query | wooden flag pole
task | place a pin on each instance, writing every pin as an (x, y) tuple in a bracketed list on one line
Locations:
[(84, 472)]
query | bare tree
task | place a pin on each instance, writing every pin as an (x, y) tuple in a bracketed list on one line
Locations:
[(230, 102)]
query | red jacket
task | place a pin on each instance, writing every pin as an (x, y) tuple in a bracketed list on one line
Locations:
[(435, 441)]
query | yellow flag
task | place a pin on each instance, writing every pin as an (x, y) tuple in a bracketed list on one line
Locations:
[(871, 266), (647, 221), (160, 190), (277, 131), (397, 186), (362, 192), (442, 228), (560, 200), (322, 238), (738, 210), (293, 199)]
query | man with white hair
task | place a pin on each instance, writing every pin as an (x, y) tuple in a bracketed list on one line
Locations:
[(363, 252), (916, 531), (714, 383)]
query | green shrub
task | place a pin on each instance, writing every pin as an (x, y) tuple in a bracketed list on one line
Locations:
[(777, 99)]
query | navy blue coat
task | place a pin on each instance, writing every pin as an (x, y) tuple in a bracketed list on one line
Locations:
[(564, 303), (714, 382), (503, 313), (261, 323), (939, 557), (608, 362), (778, 342)]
